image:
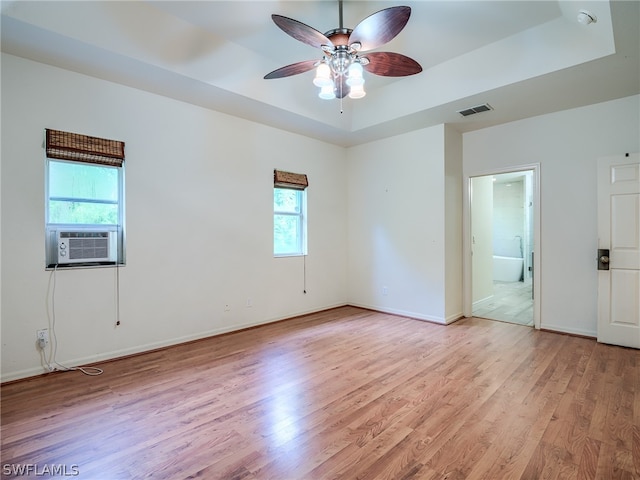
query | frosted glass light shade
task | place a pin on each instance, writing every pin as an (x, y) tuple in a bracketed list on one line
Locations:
[(323, 76), (354, 77), (357, 91), (327, 93)]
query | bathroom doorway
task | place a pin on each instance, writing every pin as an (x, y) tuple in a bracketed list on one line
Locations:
[(503, 238)]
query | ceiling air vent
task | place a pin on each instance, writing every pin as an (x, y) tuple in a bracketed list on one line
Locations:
[(473, 110)]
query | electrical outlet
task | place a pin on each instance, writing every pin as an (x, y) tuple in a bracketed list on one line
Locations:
[(384, 291), (227, 307), (43, 337), (249, 303)]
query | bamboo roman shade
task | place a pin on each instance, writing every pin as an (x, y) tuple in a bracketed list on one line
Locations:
[(296, 181), (82, 148)]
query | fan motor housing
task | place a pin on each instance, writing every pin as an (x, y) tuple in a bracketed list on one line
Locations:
[(339, 36)]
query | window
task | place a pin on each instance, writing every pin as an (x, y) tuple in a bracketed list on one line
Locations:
[(289, 214), (84, 211), (83, 193), (288, 222)]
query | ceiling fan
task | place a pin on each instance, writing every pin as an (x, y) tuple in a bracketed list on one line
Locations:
[(345, 52)]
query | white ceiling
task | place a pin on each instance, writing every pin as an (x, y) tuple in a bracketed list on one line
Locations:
[(524, 58)]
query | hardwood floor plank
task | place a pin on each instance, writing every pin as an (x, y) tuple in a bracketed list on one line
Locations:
[(589, 461), (635, 451), (614, 463), (347, 393)]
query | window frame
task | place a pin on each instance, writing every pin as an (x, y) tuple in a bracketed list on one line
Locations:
[(301, 249), (51, 229)]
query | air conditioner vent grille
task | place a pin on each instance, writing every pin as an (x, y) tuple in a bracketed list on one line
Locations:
[(85, 248), (84, 234), (477, 109)]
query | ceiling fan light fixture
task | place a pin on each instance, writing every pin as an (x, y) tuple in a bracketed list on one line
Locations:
[(340, 70), (340, 62), (357, 91), (323, 76), (327, 93), (354, 75)]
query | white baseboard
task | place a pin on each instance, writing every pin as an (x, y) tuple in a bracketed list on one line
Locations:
[(478, 302), (571, 331), (407, 313)]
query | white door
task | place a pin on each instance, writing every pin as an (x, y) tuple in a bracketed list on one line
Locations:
[(619, 232)]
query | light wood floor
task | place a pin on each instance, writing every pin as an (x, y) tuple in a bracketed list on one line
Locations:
[(346, 393)]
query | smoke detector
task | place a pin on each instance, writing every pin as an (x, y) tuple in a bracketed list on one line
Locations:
[(585, 17)]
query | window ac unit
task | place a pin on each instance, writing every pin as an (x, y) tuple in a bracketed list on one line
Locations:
[(87, 246)]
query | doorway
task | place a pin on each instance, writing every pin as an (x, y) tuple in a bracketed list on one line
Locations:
[(503, 238)]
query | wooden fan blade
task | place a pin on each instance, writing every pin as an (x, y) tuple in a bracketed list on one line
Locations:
[(301, 32), (380, 27), (293, 69), (389, 64)]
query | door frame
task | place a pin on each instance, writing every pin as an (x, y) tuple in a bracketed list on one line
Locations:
[(467, 279)]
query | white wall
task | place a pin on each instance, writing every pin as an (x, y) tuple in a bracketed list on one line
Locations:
[(398, 225), (508, 219), (452, 203), (482, 238), (199, 196), (567, 145)]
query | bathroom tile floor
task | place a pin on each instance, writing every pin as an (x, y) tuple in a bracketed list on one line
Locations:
[(511, 302)]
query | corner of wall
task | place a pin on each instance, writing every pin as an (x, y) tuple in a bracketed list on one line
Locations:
[(453, 222)]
